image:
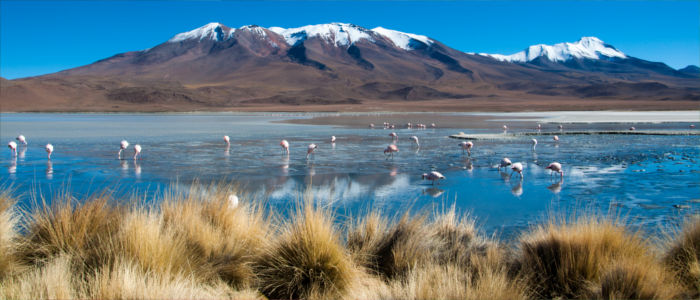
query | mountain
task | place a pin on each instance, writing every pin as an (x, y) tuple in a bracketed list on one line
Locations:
[(218, 67), (690, 69)]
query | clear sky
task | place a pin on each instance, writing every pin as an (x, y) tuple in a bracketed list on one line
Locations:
[(44, 37)]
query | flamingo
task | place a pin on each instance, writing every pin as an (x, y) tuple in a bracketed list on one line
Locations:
[(20, 138), (333, 139), (285, 146), (517, 167), (560, 127), (539, 126), (555, 138), (227, 140), (371, 125), (394, 136), (433, 176), (505, 127), (232, 201), (467, 146), (122, 146), (432, 125), (310, 150), (408, 125), (137, 150), (49, 150), (391, 149), (534, 144), (556, 167), (504, 163), (13, 147), (632, 128), (692, 126), (415, 140)]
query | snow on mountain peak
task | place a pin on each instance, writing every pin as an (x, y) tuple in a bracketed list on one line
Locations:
[(341, 34), (402, 40), (212, 31), (586, 47)]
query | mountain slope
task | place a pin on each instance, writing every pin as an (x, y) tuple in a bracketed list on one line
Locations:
[(344, 64)]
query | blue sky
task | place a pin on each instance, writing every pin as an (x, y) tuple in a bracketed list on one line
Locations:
[(44, 37)]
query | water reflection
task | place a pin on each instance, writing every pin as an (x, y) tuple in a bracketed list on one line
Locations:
[(137, 169), (12, 168), (433, 192), (49, 170), (556, 187), (22, 152), (517, 190)]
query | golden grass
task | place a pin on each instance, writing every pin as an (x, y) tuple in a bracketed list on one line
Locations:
[(683, 256), (195, 245), (589, 256)]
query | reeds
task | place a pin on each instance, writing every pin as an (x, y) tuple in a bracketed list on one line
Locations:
[(197, 245)]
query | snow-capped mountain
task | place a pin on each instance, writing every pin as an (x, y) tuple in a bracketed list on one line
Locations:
[(585, 48), (339, 34), (339, 63)]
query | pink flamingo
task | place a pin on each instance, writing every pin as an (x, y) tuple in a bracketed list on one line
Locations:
[(13, 147), (232, 201), (556, 167), (692, 126), (122, 146), (227, 140), (555, 138), (49, 150), (505, 127), (394, 136), (432, 125), (539, 126), (415, 140), (391, 149), (632, 128), (433, 176), (467, 146), (20, 138), (310, 150), (560, 127), (517, 167), (333, 139), (408, 125), (534, 144), (285, 146), (505, 162), (371, 125), (137, 150)]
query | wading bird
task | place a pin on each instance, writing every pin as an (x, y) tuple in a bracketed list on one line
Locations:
[(505, 127), (632, 128), (415, 140), (560, 127), (390, 150), (49, 150), (505, 162), (285, 146), (555, 138), (13, 147), (517, 167), (227, 140), (467, 146), (371, 125), (137, 150), (20, 138), (333, 139), (122, 146), (232, 201), (433, 176), (555, 167), (310, 150), (534, 144), (394, 136)]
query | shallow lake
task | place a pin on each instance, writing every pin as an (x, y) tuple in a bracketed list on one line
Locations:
[(651, 180)]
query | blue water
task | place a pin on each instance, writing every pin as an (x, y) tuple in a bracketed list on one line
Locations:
[(638, 177)]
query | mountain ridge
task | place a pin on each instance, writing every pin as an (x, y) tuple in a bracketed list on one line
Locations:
[(343, 64)]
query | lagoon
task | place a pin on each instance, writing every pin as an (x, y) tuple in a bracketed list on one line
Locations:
[(651, 180)]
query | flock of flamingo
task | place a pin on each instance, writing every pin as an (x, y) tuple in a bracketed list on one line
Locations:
[(389, 151)]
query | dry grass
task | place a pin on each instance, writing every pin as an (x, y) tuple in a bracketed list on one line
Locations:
[(683, 256), (590, 256), (8, 236), (307, 259), (195, 245)]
